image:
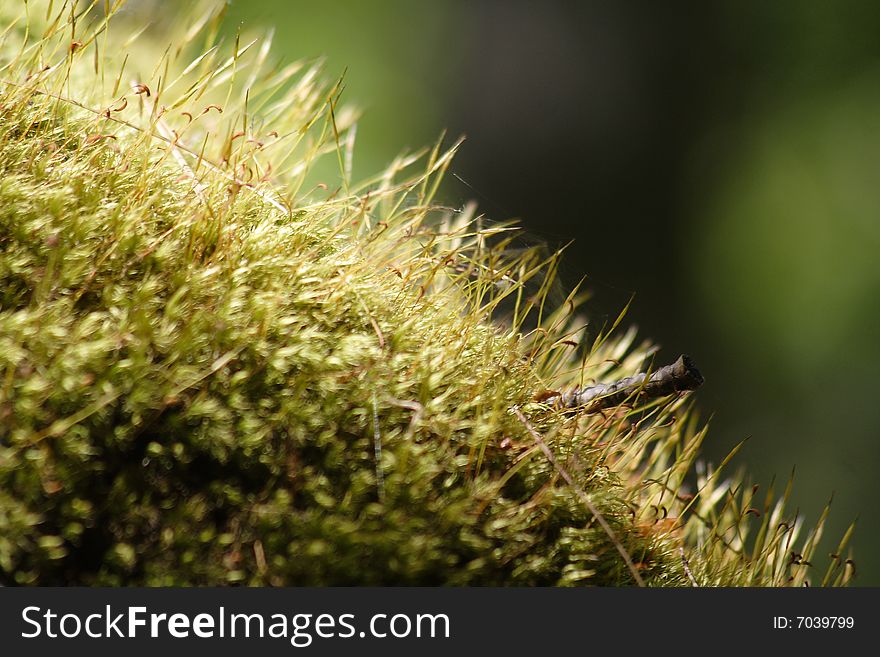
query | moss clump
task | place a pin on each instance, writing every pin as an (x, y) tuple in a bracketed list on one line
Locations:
[(212, 371)]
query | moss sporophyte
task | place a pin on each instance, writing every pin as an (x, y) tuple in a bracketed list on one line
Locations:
[(223, 360)]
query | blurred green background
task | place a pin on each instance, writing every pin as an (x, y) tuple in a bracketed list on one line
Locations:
[(721, 161)]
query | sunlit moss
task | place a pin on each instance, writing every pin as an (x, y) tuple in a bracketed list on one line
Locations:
[(214, 371)]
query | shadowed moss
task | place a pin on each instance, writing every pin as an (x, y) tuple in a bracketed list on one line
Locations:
[(215, 370)]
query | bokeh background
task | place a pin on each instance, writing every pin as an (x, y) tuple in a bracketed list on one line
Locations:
[(720, 161)]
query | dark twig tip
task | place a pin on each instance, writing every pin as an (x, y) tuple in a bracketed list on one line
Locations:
[(686, 373)]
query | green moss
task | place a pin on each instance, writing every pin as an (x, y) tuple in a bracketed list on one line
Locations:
[(213, 372)]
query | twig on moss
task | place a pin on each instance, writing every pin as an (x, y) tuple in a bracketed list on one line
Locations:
[(583, 496), (377, 450), (687, 567), (417, 409), (680, 376), (172, 138)]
